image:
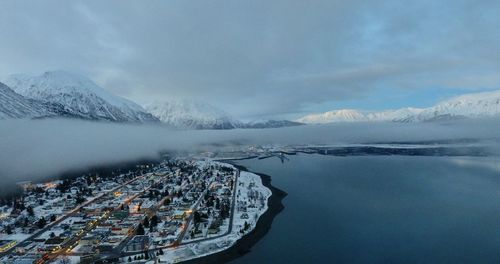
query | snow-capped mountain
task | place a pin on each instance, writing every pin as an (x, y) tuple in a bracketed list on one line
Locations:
[(394, 115), (63, 94), (192, 115), (475, 105), (197, 115), (13, 105), (79, 96), (270, 124), (344, 115)]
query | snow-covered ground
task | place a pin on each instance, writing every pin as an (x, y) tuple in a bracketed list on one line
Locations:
[(18, 237)]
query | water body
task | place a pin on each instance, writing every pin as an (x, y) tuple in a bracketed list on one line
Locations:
[(382, 209)]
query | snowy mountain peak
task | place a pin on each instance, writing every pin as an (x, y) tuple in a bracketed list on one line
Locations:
[(475, 105), (190, 114), (80, 95), (394, 115), (343, 115)]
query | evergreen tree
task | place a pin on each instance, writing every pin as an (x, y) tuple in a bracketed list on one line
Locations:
[(41, 223), (140, 230), (217, 203), (154, 221), (30, 211), (197, 217)]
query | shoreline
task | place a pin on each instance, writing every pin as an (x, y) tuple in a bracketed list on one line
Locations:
[(244, 245)]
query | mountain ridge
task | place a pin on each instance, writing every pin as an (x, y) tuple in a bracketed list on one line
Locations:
[(80, 96), (56, 94), (473, 105)]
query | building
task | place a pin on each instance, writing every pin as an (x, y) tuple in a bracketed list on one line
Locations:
[(138, 243)]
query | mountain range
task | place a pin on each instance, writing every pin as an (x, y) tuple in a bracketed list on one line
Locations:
[(79, 96), (474, 105), (62, 94), (57, 94)]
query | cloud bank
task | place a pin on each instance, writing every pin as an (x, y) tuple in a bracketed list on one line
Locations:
[(44, 148)]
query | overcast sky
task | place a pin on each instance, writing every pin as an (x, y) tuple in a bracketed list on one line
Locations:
[(262, 58)]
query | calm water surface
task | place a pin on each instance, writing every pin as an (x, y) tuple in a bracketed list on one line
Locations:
[(388, 209)]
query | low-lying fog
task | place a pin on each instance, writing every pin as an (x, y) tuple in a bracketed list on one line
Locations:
[(33, 149)]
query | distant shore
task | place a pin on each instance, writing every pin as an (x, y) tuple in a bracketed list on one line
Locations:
[(244, 245)]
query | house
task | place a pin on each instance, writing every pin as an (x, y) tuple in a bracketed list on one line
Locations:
[(26, 185), (138, 243), (215, 226)]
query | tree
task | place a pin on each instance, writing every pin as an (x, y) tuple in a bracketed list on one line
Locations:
[(79, 199), (41, 223), (129, 259), (52, 235), (52, 218), (154, 221), (8, 230), (140, 230), (224, 210), (197, 217), (210, 202), (146, 221), (30, 211)]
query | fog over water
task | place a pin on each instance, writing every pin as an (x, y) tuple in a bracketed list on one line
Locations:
[(34, 149)]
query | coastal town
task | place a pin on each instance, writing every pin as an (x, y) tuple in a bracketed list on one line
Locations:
[(177, 210)]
